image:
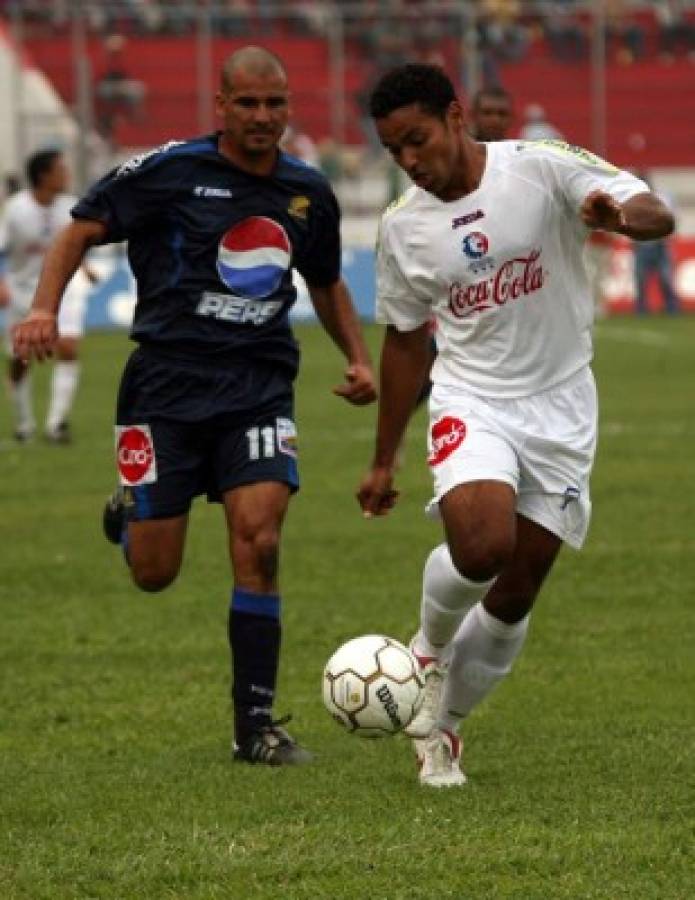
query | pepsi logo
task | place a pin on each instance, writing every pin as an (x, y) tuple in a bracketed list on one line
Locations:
[(447, 434), (253, 257), (135, 455)]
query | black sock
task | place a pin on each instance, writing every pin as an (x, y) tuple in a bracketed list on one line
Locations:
[(254, 640)]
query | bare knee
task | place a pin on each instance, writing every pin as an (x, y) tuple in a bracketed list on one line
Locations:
[(480, 524), (480, 562), (256, 558), (152, 580), (155, 552)]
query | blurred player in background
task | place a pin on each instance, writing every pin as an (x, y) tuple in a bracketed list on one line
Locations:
[(490, 240), (215, 226), (30, 221), (490, 114)]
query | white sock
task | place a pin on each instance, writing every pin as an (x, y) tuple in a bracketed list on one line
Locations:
[(20, 392), (484, 650), (66, 377), (446, 598)]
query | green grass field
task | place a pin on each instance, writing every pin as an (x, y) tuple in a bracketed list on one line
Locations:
[(114, 718)]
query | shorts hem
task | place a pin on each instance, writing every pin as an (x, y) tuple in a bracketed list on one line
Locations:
[(135, 516), (432, 506), (572, 539)]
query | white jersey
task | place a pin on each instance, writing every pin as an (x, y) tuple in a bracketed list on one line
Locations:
[(501, 269), (27, 228)]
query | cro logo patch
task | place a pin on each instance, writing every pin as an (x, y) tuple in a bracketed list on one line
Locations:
[(135, 455), (447, 434)]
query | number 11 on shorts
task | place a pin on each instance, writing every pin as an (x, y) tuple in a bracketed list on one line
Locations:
[(261, 439)]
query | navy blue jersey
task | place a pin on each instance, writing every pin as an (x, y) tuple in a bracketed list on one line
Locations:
[(212, 248)]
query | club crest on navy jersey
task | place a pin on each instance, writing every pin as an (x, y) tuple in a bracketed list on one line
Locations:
[(253, 257)]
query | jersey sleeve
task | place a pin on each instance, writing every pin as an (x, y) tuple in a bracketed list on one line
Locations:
[(127, 199), (319, 263), (579, 172), (397, 303)]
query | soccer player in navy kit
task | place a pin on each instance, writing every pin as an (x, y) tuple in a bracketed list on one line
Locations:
[(215, 226)]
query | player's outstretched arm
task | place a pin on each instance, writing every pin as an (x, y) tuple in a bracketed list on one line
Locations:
[(36, 335), (405, 362), (337, 314), (643, 217)]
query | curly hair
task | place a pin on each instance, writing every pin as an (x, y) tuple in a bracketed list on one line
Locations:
[(428, 86)]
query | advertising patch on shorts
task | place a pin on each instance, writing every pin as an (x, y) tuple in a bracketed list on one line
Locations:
[(447, 434), (287, 437), (135, 455)]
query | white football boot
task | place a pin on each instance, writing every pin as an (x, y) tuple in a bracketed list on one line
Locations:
[(438, 758), (433, 672)]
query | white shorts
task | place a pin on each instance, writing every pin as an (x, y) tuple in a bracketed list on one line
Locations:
[(542, 445), (71, 317)]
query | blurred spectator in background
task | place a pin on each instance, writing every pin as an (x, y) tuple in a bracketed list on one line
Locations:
[(623, 31), (301, 146), (675, 28), (491, 114), (12, 184), (564, 33), (500, 30), (330, 159), (536, 126), (653, 259), (231, 18), (118, 95)]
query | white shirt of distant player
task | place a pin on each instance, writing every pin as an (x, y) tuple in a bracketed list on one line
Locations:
[(501, 269), (27, 228)]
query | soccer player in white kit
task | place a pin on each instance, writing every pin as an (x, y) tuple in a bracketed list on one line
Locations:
[(489, 240), (30, 221)]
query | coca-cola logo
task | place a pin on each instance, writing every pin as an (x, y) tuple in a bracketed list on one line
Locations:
[(515, 278), (135, 455), (447, 434)]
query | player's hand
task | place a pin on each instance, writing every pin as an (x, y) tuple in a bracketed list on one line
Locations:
[(376, 495), (600, 210), (35, 336), (359, 387), (4, 295)]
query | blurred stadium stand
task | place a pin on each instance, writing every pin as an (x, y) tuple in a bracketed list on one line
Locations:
[(107, 78)]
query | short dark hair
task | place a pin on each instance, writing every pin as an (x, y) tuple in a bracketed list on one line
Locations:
[(496, 91), (428, 86), (40, 163)]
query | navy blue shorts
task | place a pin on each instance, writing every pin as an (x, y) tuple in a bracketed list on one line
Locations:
[(167, 453)]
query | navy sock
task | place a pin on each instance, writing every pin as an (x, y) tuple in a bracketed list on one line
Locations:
[(254, 640)]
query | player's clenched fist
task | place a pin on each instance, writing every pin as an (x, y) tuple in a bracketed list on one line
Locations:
[(35, 336), (601, 210), (376, 495), (359, 387)]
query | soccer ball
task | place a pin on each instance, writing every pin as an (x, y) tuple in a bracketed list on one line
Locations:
[(372, 686)]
